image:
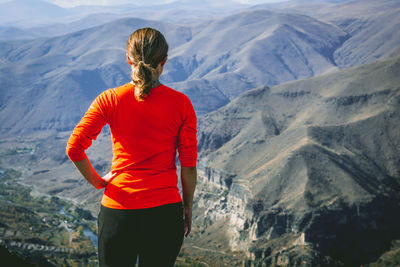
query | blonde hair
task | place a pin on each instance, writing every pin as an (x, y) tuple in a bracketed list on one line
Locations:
[(146, 49)]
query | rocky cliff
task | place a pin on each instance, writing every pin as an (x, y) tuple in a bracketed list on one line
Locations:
[(306, 172)]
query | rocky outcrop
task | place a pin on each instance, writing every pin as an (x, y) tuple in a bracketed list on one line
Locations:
[(305, 173)]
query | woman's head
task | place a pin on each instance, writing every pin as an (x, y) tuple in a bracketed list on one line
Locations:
[(146, 51)]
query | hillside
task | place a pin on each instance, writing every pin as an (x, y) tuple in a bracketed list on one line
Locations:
[(311, 166), (251, 49), (47, 83)]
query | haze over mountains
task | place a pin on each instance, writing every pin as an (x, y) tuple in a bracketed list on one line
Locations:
[(213, 62), (29, 13), (298, 153)]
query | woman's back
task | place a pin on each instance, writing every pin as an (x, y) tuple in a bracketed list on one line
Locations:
[(145, 136), (145, 133)]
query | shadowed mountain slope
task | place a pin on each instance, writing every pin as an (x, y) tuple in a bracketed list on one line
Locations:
[(312, 163)]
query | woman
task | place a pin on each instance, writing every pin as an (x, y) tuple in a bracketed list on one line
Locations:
[(142, 213)]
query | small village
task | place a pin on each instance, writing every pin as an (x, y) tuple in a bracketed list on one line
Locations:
[(44, 228)]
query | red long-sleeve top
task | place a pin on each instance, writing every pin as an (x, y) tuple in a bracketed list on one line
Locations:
[(145, 136)]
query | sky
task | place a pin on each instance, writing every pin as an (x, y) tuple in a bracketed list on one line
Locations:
[(73, 3)]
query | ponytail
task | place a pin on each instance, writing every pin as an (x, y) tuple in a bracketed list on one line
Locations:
[(143, 76), (146, 49)]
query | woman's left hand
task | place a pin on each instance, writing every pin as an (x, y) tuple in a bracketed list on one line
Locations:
[(108, 177), (86, 169)]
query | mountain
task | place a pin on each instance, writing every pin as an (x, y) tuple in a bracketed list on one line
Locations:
[(12, 33), (305, 171), (58, 28), (372, 38), (251, 49), (48, 74), (83, 17), (46, 19), (272, 48), (19, 11), (84, 63), (264, 47), (212, 62)]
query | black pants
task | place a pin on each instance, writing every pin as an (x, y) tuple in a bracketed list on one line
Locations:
[(154, 235)]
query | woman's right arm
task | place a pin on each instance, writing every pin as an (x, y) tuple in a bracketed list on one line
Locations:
[(87, 130)]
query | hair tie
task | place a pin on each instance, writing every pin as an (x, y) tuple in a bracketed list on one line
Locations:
[(144, 64)]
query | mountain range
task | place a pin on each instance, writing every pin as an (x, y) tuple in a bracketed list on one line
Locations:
[(30, 14), (46, 75), (298, 121), (212, 62)]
